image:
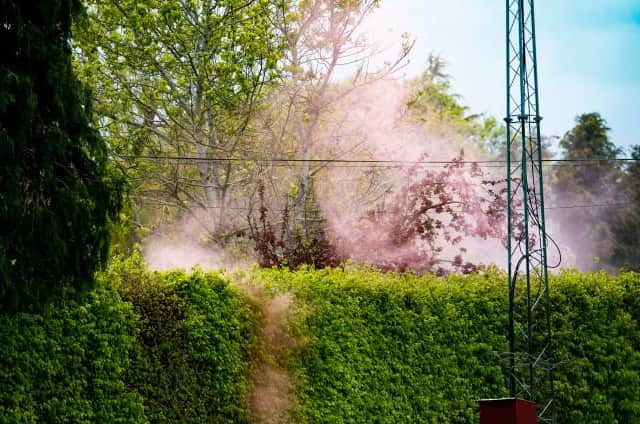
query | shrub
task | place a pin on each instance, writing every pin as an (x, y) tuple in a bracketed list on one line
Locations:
[(66, 364), (597, 347), (401, 348), (194, 345)]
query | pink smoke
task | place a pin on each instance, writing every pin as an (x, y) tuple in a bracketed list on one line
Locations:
[(374, 124)]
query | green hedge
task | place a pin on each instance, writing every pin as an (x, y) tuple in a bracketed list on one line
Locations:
[(597, 336), (176, 350), (373, 348), (66, 364), (194, 349), (399, 348)]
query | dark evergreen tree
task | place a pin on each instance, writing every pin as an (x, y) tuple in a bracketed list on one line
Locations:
[(589, 139), (593, 180), (626, 224), (56, 193)]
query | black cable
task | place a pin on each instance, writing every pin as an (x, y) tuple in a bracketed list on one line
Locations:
[(362, 161), (277, 210)]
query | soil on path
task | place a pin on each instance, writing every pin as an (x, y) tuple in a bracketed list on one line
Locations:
[(272, 393)]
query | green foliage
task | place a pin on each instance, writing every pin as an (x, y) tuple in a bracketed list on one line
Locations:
[(56, 192), (589, 139), (397, 348), (626, 223), (177, 78), (178, 353), (400, 348), (596, 331), (66, 365), (373, 347), (433, 103), (595, 182), (196, 336)]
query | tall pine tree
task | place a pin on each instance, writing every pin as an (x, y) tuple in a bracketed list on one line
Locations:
[(56, 193)]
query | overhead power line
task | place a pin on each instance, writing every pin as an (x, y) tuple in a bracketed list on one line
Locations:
[(592, 205), (372, 163), (256, 209)]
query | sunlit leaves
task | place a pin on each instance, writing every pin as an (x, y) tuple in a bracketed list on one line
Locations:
[(178, 78)]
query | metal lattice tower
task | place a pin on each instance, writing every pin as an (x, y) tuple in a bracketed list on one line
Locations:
[(530, 354)]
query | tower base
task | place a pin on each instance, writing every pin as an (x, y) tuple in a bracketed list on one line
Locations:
[(508, 411)]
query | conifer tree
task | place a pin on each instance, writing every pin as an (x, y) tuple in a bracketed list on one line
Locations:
[(56, 193), (626, 221), (595, 181)]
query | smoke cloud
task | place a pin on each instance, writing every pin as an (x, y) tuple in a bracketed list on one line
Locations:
[(375, 124), (372, 123), (186, 245)]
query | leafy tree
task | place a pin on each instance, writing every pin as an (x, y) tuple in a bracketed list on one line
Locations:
[(626, 224), (322, 39), (180, 78), (424, 226), (432, 99), (308, 116), (56, 192), (432, 102)]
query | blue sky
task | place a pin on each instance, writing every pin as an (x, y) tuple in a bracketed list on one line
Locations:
[(588, 55)]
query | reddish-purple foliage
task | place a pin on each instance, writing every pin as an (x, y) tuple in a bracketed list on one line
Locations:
[(292, 246), (422, 229)]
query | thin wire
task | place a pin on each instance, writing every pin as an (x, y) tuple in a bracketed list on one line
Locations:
[(362, 161), (594, 205), (372, 164)]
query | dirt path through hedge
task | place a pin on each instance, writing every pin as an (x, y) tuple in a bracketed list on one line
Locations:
[(272, 394)]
